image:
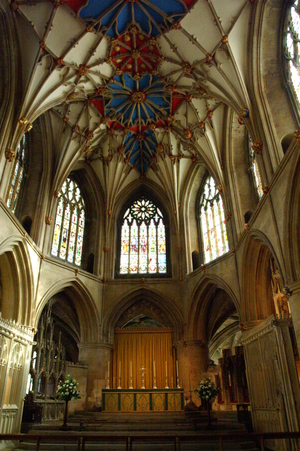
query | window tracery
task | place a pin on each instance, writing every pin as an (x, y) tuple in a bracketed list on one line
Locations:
[(143, 239), (292, 49), (212, 220), (69, 224), (17, 176)]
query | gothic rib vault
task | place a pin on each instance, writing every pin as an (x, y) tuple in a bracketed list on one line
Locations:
[(139, 89), (149, 96)]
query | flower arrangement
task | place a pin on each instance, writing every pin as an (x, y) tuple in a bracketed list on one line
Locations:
[(207, 389), (67, 390)]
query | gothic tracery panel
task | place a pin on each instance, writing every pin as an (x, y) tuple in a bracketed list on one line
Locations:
[(69, 224), (143, 240), (212, 219)]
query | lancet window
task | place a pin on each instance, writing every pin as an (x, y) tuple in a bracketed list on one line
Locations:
[(212, 222), (17, 176), (292, 48), (255, 170), (69, 224), (143, 239)]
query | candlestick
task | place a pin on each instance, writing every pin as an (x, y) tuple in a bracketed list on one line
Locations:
[(119, 386), (177, 375), (131, 387), (154, 375), (143, 375)]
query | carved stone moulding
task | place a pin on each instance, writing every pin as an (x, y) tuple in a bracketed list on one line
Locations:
[(10, 154)]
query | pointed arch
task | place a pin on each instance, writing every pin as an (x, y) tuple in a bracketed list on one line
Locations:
[(157, 304), (212, 302), (67, 242), (17, 280), (88, 315), (159, 224), (212, 221), (256, 288)]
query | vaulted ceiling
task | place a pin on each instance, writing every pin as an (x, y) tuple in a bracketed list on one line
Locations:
[(136, 88)]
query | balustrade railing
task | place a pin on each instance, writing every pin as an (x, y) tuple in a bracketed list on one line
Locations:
[(129, 440)]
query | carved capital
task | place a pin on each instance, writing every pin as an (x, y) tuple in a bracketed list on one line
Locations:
[(48, 220), (257, 146)]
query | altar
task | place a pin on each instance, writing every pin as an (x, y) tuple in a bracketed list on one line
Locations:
[(142, 400)]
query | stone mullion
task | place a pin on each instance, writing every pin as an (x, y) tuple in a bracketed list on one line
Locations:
[(156, 247), (76, 233), (214, 224), (148, 248), (15, 189), (138, 249), (129, 247), (62, 223), (221, 224)]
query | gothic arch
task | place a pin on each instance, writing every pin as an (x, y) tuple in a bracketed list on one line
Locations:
[(154, 193), (147, 187), (205, 315), (155, 305), (84, 304), (88, 183), (256, 286), (17, 280)]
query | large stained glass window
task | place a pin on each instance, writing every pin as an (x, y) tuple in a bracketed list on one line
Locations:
[(17, 176), (69, 224), (292, 48), (143, 240), (213, 228)]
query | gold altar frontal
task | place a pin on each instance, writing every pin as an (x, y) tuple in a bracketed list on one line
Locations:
[(142, 400)]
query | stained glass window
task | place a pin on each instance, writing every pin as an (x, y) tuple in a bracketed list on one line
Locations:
[(69, 224), (143, 240), (212, 221), (17, 176), (292, 48), (255, 170)]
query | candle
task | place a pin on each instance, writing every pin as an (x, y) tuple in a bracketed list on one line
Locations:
[(154, 371), (177, 374), (108, 368), (166, 369), (130, 369), (120, 368)]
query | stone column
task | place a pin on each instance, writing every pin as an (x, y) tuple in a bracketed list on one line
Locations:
[(96, 356), (193, 362)]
